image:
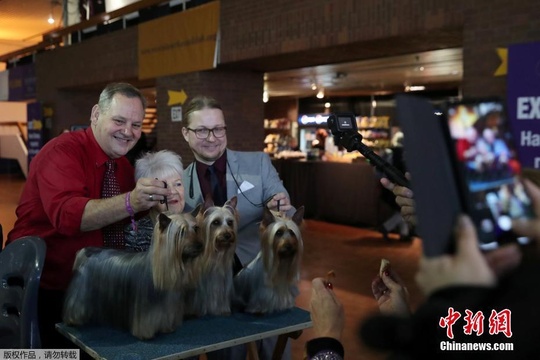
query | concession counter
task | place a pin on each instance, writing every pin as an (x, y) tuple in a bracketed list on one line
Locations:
[(337, 192)]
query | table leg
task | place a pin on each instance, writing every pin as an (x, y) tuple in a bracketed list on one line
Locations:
[(282, 342), (252, 353)]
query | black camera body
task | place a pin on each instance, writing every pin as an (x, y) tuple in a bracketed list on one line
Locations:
[(345, 132), (343, 127)]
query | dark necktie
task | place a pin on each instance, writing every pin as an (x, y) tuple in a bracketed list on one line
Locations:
[(113, 235), (215, 187)]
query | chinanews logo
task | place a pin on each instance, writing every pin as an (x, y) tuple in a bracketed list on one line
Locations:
[(499, 322)]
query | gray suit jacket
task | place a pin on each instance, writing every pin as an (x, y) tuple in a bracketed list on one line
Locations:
[(250, 175)]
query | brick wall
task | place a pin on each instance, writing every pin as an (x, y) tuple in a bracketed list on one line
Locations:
[(346, 29), (491, 25), (265, 36), (71, 78)]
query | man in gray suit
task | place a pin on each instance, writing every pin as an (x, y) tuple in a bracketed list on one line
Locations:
[(248, 175), (225, 173)]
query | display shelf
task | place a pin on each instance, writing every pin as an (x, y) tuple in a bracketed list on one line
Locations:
[(277, 133), (375, 131)]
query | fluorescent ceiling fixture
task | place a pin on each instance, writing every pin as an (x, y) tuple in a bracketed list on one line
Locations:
[(415, 88)]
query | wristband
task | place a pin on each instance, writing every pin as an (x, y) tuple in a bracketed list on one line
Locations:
[(130, 211)]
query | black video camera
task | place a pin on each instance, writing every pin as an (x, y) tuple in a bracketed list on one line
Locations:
[(345, 132), (343, 128)]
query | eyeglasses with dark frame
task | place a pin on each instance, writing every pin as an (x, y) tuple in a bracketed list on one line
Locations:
[(204, 133)]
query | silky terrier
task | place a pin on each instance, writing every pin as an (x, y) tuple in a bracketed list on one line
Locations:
[(217, 226), (142, 292), (269, 282)]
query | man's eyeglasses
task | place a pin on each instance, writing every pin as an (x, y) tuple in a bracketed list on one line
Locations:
[(203, 133)]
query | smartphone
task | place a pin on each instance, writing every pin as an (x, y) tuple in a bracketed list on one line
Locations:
[(488, 171)]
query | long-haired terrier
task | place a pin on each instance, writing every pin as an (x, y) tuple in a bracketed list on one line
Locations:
[(217, 226), (269, 283), (142, 292)]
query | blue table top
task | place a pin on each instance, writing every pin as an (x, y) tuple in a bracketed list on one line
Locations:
[(193, 337)]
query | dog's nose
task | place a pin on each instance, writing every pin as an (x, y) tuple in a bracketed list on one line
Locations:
[(287, 249), (229, 237)]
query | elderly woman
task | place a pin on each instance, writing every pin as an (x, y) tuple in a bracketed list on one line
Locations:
[(166, 166)]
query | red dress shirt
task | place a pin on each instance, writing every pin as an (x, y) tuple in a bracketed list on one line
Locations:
[(66, 173)]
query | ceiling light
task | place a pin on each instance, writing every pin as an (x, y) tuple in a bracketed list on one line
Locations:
[(265, 96), (313, 86), (54, 3), (327, 105), (320, 94), (415, 88)]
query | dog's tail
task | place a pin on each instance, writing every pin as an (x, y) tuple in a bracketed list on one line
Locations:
[(76, 310)]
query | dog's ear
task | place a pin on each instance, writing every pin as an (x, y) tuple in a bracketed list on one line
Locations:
[(298, 215), (208, 202), (268, 217), (197, 209), (164, 221), (232, 202)]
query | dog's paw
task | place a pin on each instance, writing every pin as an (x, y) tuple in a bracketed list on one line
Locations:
[(143, 335)]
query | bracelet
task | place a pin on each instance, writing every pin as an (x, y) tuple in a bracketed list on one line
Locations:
[(130, 211)]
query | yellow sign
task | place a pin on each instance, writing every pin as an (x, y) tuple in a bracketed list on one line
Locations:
[(176, 97), (503, 68), (179, 43), (35, 124)]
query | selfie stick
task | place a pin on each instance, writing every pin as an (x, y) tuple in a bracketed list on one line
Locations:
[(352, 140)]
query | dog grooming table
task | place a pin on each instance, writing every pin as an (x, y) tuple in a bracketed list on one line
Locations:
[(193, 337)]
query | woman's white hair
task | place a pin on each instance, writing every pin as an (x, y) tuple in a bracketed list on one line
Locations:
[(158, 164)]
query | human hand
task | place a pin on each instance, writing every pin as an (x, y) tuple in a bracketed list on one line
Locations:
[(326, 311), (467, 266), (404, 198), (530, 228), (282, 200), (391, 293), (147, 193), (504, 259)]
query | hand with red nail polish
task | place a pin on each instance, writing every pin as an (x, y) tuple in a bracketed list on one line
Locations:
[(328, 281), (326, 310), (391, 293)]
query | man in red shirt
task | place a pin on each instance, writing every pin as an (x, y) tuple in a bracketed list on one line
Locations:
[(61, 200)]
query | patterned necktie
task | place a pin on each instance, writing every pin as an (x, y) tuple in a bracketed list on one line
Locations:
[(217, 192), (113, 235)]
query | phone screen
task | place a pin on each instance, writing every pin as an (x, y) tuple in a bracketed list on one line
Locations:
[(489, 170)]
